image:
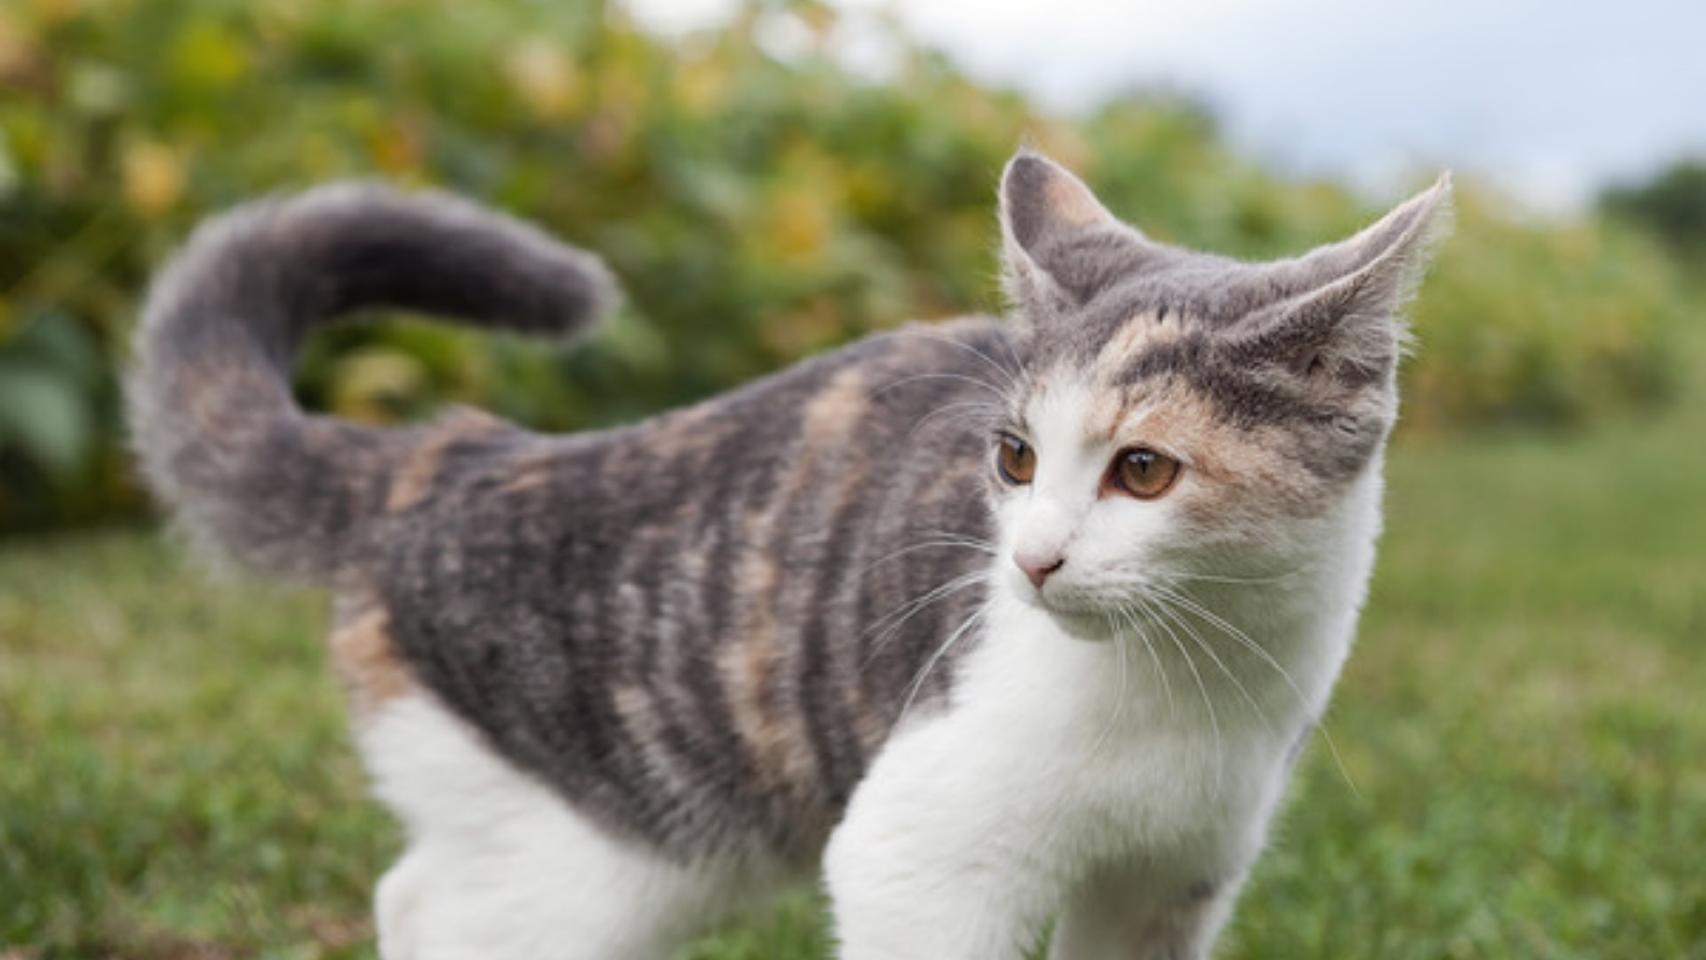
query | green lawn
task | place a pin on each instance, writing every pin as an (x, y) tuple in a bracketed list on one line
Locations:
[(1524, 720)]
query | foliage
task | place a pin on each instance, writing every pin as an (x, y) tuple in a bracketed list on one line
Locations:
[(759, 201), (1546, 326), (1672, 205)]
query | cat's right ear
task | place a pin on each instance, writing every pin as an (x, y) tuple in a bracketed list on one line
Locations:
[(1059, 244)]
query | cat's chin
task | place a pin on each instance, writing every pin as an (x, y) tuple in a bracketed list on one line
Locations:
[(1089, 626), (1086, 623)]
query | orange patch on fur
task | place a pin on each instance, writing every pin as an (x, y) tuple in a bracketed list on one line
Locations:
[(414, 479), (750, 667), (531, 472), (682, 431), (831, 413), (1245, 481), (1140, 333), (1176, 419), (752, 663), (366, 659), (1110, 410)]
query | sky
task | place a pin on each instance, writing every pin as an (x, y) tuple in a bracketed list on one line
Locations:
[(1550, 100)]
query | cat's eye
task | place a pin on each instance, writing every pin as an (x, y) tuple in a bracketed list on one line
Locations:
[(1015, 461), (1144, 473)]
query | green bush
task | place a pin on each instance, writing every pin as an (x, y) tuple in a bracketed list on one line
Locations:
[(756, 208), (1672, 204), (1551, 326)]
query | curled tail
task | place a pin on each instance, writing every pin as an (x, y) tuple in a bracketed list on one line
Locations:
[(212, 418)]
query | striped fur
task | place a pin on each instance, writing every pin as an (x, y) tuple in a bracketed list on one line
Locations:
[(707, 636)]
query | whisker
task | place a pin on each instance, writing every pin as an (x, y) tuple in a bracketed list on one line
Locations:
[(1007, 344), (1203, 644), (929, 665), (944, 338), (1119, 699), (1192, 605), (946, 407), (960, 534), (926, 545), (974, 381), (942, 589), (1211, 578), (1160, 668), (1213, 718), (913, 607)]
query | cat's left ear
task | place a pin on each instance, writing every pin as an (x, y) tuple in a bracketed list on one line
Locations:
[(1338, 312), (1059, 244)]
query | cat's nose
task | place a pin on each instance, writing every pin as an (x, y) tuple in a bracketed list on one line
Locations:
[(1038, 566)]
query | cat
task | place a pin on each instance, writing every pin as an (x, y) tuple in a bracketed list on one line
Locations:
[(999, 625)]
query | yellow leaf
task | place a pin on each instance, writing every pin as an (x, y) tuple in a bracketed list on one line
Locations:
[(801, 224), (318, 156), (396, 149), (208, 56), (54, 11), (543, 77), (377, 385), (15, 54), (703, 85), (153, 177)]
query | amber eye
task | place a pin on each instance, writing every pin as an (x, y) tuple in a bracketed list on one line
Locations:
[(1144, 473), (1014, 460)]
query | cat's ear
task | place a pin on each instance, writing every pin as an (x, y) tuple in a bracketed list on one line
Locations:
[(1338, 316), (1059, 244)]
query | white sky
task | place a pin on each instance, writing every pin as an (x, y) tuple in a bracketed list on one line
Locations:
[(1549, 99)]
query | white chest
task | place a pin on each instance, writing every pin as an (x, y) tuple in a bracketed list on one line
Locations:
[(1110, 753)]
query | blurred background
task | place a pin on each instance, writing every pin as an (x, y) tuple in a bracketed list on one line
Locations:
[(1522, 726)]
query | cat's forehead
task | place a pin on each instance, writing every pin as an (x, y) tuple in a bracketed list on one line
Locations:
[(1179, 326), (1094, 377), (1160, 374), (1198, 293), (1122, 345)]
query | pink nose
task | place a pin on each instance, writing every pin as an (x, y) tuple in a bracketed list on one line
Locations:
[(1037, 568)]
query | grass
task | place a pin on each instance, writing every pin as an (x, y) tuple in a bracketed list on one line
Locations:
[(1523, 720)]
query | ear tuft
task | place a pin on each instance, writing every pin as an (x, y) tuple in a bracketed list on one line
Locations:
[(1392, 253), (1341, 315)]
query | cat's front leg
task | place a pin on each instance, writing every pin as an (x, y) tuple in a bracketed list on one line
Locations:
[(944, 855), (1130, 915)]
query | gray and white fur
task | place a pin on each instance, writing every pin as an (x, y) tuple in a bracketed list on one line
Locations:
[(621, 684)]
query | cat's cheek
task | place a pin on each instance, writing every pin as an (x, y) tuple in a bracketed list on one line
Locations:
[(1127, 533)]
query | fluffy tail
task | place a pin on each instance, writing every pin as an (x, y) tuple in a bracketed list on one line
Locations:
[(212, 417)]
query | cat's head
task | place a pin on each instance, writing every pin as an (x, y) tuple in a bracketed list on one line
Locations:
[(1181, 416)]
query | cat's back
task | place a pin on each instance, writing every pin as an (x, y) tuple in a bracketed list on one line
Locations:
[(700, 628)]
